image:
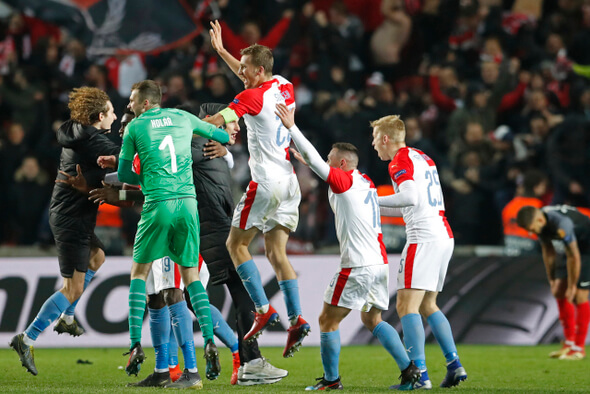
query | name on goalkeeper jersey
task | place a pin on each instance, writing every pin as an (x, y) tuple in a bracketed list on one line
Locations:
[(161, 122)]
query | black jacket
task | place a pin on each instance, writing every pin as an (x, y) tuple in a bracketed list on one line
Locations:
[(215, 204), (80, 145)]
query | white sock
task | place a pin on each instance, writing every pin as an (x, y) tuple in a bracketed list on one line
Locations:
[(160, 370), (263, 309), (193, 370), (28, 341)]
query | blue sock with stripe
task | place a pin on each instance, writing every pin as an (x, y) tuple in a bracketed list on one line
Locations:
[(414, 339), (223, 331), (251, 279), (330, 352), (182, 325), (444, 335), (51, 309), (290, 290), (87, 278), (172, 349), (160, 331), (391, 341)]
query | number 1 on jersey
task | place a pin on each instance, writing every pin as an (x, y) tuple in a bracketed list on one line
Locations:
[(167, 142)]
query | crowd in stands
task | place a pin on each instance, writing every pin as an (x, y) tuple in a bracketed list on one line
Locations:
[(490, 89)]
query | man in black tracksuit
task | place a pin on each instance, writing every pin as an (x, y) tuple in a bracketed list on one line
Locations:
[(72, 217)]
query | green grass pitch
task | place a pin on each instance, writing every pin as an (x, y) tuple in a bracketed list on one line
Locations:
[(491, 369)]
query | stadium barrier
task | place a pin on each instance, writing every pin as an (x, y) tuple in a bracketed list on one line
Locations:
[(495, 300)]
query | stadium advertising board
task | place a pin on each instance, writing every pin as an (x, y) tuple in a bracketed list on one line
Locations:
[(25, 283)]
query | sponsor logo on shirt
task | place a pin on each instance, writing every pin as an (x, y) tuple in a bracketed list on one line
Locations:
[(235, 101), (399, 173)]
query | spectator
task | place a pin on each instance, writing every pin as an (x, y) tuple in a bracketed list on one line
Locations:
[(31, 192)]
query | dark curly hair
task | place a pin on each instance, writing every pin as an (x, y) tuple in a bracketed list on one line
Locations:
[(86, 104)]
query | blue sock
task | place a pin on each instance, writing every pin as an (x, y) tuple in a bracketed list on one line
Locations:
[(414, 339), (290, 290), (222, 331), (172, 349), (391, 341), (330, 351), (188, 353), (87, 278), (444, 335), (182, 324), (160, 331), (252, 282), (51, 309)]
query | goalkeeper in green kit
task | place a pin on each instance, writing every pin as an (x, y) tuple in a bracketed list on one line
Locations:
[(169, 224)]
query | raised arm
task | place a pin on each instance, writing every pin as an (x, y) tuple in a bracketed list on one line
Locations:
[(308, 152), (217, 43), (207, 130)]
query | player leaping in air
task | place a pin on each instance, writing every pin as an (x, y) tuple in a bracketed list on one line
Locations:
[(271, 202)]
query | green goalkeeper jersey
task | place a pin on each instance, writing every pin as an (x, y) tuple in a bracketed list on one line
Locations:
[(161, 137)]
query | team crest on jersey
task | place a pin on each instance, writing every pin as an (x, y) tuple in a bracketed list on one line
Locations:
[(561, 233), (235, 101), (286, 95), (399, 173), (425, 156)]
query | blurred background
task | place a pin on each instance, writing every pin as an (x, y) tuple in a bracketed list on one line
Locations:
[(497, 92)]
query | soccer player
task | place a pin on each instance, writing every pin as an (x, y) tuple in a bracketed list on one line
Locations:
[(169, 223), (429, 246), (363, 279), (72, 217), (562, 225), (215, 205), (270, 204)]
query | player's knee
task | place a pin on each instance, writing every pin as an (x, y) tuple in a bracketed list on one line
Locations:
[(326, 323), (370, 321)]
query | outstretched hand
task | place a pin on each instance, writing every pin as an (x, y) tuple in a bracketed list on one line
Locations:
[(298, 156), (286, 115), (215, 33), (107, 162), (78, 182)]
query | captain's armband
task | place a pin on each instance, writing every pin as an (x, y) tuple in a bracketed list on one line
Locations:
[(229, 115)]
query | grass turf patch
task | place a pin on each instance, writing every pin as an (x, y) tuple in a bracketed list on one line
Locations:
[(494, 369)]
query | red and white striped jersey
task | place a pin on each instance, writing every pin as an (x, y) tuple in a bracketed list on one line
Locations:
[(353, 198), (268, 139), (425, 221)]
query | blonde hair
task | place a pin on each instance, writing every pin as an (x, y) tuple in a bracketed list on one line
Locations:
[(391, 126)]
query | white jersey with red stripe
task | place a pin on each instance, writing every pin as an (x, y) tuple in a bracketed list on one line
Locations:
[(425, 221), (353, 198), (268, 139)]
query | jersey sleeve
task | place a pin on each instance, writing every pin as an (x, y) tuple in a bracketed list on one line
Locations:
[(128, 148), (247, 102), (401, 168), (339, 180), (207, 130), (565, 230)]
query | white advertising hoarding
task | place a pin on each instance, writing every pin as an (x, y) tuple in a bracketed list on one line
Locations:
[(25, 283)]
